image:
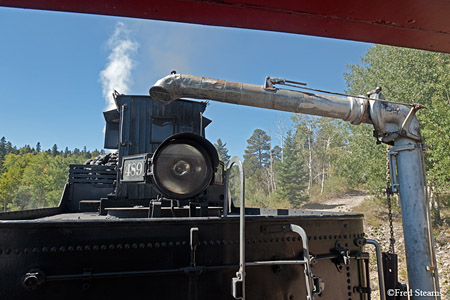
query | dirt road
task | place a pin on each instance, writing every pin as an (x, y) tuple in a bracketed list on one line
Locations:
[(343, 204)]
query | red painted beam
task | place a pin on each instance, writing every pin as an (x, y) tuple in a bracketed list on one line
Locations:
[(418, 24)]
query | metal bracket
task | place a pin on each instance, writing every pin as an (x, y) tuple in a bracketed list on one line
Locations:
[(194, 241), (237, 286), (122, 112), (393, 164), (393, 171), (393, 120), (87, 279), (319, 285), (343, 256), (361, 290), (154, 210), (269, 82), (33, 279), (431, 269), (407, 122)]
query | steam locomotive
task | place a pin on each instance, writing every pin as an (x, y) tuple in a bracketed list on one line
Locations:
[(155, 223)]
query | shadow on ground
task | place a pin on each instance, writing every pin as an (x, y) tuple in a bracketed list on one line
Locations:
[(321, 206)]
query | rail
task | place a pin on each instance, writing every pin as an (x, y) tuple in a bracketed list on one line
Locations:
[(93, 174)]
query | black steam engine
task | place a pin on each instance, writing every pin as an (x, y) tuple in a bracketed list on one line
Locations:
[(155, 223)]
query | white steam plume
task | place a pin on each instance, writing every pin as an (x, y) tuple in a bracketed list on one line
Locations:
[(117, 73)]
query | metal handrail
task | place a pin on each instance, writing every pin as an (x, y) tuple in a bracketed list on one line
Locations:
[(380, 268), (240, 275)]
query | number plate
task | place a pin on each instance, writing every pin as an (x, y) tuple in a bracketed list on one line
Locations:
[(134, 169)]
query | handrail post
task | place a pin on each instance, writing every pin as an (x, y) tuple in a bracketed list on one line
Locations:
[(239, 280)]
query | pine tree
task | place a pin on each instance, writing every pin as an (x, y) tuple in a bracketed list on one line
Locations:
[(38, 147), (292, 176), (3, 146), (26, 149), (11, 149), (223, 151), (66, 152), (276, 153), (2, 152), (54, 150), (257, 154)]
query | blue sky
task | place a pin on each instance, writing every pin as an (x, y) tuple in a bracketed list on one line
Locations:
[(50, 65)]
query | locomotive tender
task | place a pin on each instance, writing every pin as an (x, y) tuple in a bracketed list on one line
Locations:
[(158, 224)]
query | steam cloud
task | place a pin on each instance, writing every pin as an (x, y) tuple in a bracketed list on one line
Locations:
[(117, 73)]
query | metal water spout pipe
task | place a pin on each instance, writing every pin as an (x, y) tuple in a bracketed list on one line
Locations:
[(177, 86)]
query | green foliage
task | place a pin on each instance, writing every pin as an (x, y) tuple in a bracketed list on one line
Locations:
[(257, 154), (260, 162), (411, 76), (32, 178), (363, 163), (292, 179), (334, 187), (10, 180), (223, 151)]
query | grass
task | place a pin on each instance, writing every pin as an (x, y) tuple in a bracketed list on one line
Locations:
[(334, 187), (374, 211)]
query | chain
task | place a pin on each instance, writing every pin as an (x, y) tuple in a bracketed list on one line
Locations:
[(389, 202)]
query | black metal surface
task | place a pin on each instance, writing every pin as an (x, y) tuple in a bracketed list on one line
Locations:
[(106, 259), (390, 270)]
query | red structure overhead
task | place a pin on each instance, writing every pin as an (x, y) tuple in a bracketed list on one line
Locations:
[(422, 24)]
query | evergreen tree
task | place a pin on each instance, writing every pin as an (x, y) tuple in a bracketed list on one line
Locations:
[(276, 153), (292, 177), (11, 149), (38, 147), (54, 150), (2, 152), (86, 153), (26, 149), (223, 151), (3, 146), (66, 152), (95, 153), (257, 154)]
